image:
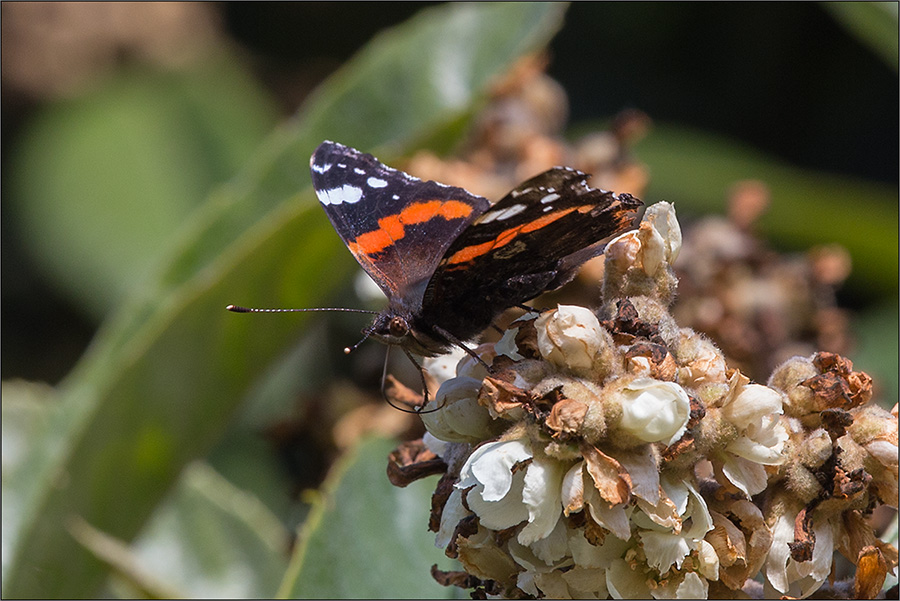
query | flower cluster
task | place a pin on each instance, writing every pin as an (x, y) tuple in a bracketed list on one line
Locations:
[(614, 454)]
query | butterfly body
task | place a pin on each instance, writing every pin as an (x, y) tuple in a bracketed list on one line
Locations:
[(450, 261)]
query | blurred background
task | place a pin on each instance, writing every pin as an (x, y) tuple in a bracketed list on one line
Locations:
[(92, 93), (131, 132)]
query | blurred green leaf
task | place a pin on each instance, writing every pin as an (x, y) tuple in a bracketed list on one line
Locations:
[(696, 170), (873, 23), (166, 373), (100, 182), (366, 539), (211, 539), (875, 351), (26, 411), (129, 576)]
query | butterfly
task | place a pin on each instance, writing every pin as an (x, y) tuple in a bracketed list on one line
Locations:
[(451, 262)]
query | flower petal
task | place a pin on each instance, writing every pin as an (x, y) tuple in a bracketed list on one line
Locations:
[(573, 489), (643, 468), (612, 517), (625, 583), (453, 512), (747, 475), (608, 476), (503, 513), (692, 587), (655, 411), (664, 549), (541, 494), (491, 465), (751, 403)]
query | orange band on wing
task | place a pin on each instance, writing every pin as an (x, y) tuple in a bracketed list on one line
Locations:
[(392, 228), (472, 252)]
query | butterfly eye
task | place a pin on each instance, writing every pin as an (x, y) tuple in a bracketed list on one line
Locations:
[(398, 327)]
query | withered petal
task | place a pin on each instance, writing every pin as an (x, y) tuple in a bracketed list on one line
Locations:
[(412, 461)]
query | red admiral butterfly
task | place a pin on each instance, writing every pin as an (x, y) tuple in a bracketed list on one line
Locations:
[(449, 261)]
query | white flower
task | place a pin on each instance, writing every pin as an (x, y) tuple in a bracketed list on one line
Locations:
[(503, 495), (443, 367), (655, 411), (755, 410), (666, 543), (458, 416), (569, 337), (793, 578), (507, 343), (470, 367), (579, 490)]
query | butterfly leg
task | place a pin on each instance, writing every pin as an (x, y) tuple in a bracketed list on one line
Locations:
[(447, 335), (387, 399), (421, 408)]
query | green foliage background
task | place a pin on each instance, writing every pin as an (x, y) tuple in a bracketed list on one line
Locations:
[(142, 472)]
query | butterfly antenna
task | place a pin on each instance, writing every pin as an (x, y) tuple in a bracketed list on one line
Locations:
[(366, 334), (239, 309)]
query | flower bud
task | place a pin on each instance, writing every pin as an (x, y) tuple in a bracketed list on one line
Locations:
[(662, 217), (787, 377), (571, 338), (459, 417), (655, 411)]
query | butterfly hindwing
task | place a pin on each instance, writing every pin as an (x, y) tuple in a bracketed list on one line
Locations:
[(397, 226), (530, 241)]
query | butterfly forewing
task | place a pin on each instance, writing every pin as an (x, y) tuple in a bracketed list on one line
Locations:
[(398, 227)]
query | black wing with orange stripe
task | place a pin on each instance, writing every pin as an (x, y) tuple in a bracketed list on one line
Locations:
[(397, 226), (530, 241)]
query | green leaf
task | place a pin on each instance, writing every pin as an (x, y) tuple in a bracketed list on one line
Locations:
[(166, 373), (100, 182), (366, 539), (875, 350), (696, 170), (211, 539), (27, 408), (873, 23), (129, 578)]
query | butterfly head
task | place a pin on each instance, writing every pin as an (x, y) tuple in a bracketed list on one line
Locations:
[(395, 327)]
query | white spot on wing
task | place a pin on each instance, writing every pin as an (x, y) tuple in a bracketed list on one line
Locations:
[(359, 171), (503, 214), (549, 198), (321, 168), (336, 196), (374, 182)]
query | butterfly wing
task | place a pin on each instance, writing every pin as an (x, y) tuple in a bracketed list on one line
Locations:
[(532, 240), (397, 226)]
